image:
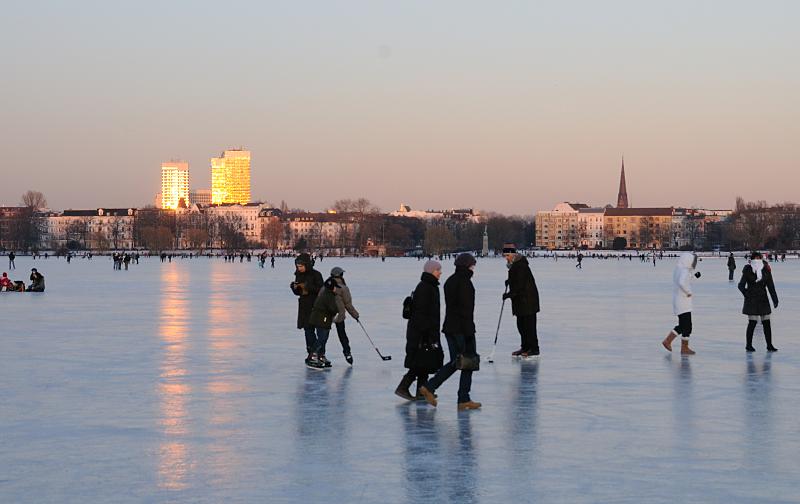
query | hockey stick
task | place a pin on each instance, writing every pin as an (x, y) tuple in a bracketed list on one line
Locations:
[(383, 357), (491, 355)]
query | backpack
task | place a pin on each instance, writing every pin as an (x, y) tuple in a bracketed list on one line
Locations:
[(408, 306)]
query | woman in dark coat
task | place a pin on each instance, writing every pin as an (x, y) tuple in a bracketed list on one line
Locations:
[(755, 283), (423, 328)]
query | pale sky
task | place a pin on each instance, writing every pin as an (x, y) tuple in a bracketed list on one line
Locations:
[(509, 106)]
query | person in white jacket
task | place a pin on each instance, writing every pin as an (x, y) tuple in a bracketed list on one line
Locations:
[(682, 302)]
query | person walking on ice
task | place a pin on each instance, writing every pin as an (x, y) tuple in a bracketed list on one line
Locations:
[(682, 302), (755, 283), (459, 329)]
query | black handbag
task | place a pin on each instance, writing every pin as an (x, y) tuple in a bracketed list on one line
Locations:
[(468, 362), (430, 357)]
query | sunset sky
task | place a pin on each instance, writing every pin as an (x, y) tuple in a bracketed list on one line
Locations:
[(509, 106)]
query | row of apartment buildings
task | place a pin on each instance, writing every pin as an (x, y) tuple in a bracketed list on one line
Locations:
[(576, 225), (237, 226)]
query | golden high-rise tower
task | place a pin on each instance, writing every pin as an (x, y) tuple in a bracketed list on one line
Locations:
[(230, 177), (174, 184)]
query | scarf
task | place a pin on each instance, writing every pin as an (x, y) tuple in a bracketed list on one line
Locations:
[(758, 268)]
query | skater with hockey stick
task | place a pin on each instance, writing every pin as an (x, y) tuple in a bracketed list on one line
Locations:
[(524, 298)]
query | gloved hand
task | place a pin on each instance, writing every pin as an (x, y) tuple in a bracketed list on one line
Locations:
[(697, 275), (507, 295), (776, 305)]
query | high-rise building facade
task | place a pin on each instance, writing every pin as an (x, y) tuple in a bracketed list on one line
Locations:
[(230, 177), (174, 184)]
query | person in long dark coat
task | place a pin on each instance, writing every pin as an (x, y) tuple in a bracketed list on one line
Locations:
[(459, 329), (755, 283), (731, 266), (422, 329), (306, 286), (524, 298)]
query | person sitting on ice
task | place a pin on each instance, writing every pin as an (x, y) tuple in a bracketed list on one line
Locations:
[(5, 283), (37, 281)]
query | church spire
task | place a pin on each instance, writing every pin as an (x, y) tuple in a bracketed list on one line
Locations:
[(622, 197)]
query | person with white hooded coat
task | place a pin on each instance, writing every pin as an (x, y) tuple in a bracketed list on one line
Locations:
[(682, 302)]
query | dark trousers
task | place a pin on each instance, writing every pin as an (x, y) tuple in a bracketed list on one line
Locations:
[(457, 344), (418, 374), (684, 327), (343, 339), (311, 339), (527, 331), (730, 274)]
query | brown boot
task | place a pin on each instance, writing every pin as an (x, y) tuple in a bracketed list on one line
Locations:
[(428, 395), (469, 405), (668, 340), (685, 350), (402, 389)]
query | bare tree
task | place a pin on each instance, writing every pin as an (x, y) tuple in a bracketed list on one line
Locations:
[(34, 200)]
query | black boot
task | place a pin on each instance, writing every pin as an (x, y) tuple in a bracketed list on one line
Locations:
[(768, 335), (402, 389), (751, 327)]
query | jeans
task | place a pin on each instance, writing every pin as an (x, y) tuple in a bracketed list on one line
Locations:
[(457, 344), (311, 339), (527, 331), (340, 330), (322, 340)]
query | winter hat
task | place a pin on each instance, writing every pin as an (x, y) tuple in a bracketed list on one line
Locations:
[(509, 248), (34, 270), (303, 259), (337, 272), (5, 275), (431, 266), (466, 260)]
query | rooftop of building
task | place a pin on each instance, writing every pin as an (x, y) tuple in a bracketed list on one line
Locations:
[(635, 212)]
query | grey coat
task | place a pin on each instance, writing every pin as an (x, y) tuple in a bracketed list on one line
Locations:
[(344, 301)]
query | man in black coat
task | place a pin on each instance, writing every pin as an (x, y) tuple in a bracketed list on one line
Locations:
[(422, 330), (459, 329), (731, 266), (524, 298), (307, 284)]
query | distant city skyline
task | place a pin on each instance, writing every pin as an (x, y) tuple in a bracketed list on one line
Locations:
[(508, 107)]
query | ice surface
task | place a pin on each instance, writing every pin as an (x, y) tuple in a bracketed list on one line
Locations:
[(184, 382)]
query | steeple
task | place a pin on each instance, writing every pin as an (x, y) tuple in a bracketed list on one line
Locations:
[(622, 197)]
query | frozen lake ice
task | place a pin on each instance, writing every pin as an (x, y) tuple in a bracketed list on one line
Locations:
[(184, 382)]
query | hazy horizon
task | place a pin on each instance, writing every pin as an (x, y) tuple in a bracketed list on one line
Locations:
[(509, 107)]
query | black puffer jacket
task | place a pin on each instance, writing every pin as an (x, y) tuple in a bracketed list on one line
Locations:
[(755, 293), (522, 288), (325, 309), (459, 297), (423, 327), (306, 286)]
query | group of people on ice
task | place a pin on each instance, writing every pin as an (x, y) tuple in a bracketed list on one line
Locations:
[(755, 284), (322, 304), (36, 285)]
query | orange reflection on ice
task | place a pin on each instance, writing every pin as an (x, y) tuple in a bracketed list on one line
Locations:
[(174, 461)]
